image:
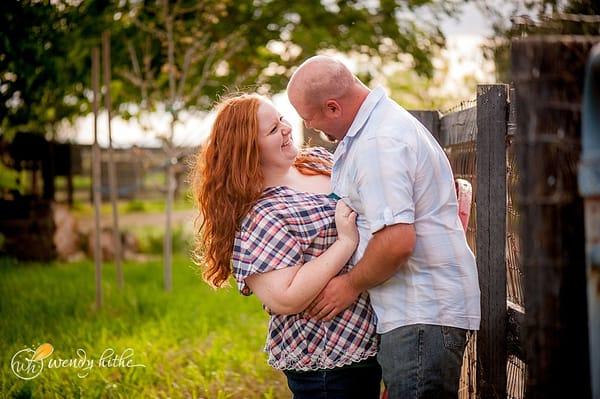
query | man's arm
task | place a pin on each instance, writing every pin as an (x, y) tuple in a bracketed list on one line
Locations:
[(387, 251), (385, 174)]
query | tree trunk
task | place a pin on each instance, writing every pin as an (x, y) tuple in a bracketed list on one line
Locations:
[(170, 181), (168, 242), (96, 183), (171, 184), (112, 173)]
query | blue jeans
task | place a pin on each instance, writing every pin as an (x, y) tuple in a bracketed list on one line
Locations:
[(356, 381), (422, 361)]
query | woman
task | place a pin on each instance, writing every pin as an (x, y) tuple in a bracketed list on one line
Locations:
[(266, 208)]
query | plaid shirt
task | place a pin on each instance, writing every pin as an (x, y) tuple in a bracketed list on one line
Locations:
[(287, 228)]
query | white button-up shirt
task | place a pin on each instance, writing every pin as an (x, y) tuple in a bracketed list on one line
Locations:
[(390, 170)]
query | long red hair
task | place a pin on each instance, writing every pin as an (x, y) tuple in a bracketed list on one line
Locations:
[(227, 180)]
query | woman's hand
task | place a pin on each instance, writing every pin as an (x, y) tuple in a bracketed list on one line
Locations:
[(345, 222), (289, 290)]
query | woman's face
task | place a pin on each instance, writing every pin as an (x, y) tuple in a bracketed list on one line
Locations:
[(275, 142)]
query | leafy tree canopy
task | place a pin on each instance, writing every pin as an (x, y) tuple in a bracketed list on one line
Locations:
[(216, 45)]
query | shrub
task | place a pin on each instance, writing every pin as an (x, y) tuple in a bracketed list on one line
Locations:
[(151, 240), (135, 205)]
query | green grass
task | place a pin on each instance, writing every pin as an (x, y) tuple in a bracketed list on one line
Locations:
[(151, 239), (85, 208), (194, 341), (79, 182)]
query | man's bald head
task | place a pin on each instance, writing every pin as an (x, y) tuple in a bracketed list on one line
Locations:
[(320, 78), (326, 95)]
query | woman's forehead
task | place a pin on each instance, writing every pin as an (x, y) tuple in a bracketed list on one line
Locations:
[(266, 109)]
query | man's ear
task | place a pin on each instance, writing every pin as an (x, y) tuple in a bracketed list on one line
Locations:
[(333, 109)]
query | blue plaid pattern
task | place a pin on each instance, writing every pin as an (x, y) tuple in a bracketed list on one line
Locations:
[(287, 228)]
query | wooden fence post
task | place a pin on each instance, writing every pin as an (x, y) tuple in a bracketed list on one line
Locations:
[(492, 116)]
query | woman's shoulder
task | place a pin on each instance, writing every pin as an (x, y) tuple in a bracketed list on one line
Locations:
[(266, 211), (318, 152), (315, 158)]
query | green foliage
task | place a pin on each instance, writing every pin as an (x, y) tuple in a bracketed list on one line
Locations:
[(217, 46), (151, 239), (135, 205), (44, 67), (249, 44), (9, 178), (415, 92), (148, 206), (194, 341)]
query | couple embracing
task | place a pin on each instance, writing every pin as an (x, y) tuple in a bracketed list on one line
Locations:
[(359, 256)]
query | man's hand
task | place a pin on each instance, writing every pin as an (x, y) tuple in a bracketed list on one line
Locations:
[(337, 295)]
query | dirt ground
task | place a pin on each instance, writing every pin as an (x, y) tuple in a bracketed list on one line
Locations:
[(140, 219)]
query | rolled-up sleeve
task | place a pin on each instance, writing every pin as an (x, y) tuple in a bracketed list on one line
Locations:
[(385, 176)]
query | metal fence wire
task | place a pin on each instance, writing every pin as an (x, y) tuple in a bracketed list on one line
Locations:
[(514, 270), (458, 135), (516, 369)]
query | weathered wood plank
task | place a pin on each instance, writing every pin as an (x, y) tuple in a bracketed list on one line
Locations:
[(512, 113), (458, 127), (515, 319), (492, 113)]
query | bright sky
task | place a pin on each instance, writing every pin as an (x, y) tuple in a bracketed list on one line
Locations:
[(464, 35)]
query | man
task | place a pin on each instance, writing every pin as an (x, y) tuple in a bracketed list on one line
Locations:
[(413, 257)]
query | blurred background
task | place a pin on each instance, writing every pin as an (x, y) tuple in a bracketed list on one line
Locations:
[(108, 265)]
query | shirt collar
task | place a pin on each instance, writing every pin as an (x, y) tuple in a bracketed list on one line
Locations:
[(365, 111)]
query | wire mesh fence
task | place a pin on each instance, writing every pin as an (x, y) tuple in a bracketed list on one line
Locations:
[(516, 378), (516, 369), (458, 137), (514, 271)]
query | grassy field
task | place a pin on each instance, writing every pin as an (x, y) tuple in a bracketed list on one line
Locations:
[(86, 209), (194, 342)]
